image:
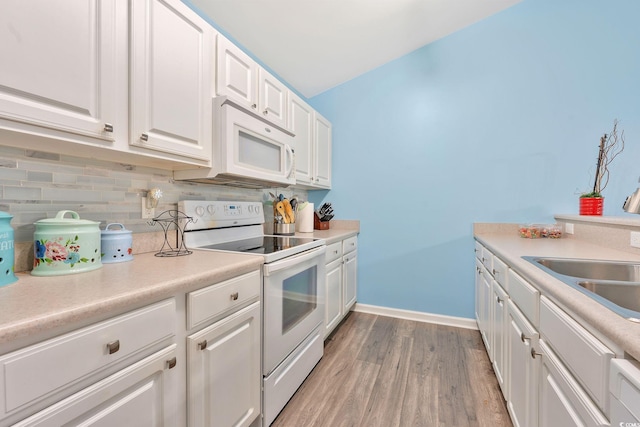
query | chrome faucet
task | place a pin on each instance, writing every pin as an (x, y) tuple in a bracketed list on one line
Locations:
[(632, 203)]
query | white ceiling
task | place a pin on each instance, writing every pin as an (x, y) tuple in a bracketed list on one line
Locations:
[(318, 44)]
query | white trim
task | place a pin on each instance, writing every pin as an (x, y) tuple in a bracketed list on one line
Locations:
[(439, 319)]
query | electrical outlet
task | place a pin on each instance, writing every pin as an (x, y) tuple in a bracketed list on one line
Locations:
[(568, 228), (635, 239), (147, 212)]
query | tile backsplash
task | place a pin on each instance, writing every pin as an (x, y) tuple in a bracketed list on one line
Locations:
[(36, 185)]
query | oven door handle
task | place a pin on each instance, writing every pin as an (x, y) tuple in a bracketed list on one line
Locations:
[(293, 260)]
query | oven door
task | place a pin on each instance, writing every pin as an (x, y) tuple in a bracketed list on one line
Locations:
[(293, 303)]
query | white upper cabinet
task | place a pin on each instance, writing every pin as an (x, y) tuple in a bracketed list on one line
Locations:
[(172, 54), (240, 78), (272, 98), (62, 63), (322, 131), (236, 74), (312, 144)]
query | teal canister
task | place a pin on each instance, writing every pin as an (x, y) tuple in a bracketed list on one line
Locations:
[(7, 254)]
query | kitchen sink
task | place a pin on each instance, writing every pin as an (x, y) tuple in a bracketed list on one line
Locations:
[(614, 284), (624, 294), (593, 269)]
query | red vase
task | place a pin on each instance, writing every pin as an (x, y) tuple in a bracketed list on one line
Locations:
[(591, 205)]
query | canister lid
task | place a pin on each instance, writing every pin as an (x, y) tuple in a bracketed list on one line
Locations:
[(5, 215), (122, 230), (61, 220)]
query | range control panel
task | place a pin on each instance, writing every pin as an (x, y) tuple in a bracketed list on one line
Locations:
[(218, 214)]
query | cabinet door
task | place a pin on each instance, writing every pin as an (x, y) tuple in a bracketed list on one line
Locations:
[(236, 74), (301, 124), (522, 369), (224, 378), (499, 321), (333, 303), (272, 98), (62, 63), (562, 401), (484, 309), (172, 53), (322, 152), (350, 280), (144, 394)]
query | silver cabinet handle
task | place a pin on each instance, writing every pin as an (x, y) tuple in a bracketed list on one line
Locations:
[(254, 106), (108, 127), (494, 271), (523, 337), (498, 300), (144, 137), (171, 363), (265, 112), (113, 346), (234, 296), (534, 353), (202, 345)]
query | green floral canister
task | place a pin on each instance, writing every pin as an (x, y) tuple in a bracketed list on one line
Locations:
[(7, 254), (66, 245)]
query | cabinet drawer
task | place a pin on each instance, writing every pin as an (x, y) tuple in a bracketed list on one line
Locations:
[(31, 374), (478, 249), (500, 272), (350, 244), (526, 297), (208, 303), (334, 252), (584, 355), (487, 259)]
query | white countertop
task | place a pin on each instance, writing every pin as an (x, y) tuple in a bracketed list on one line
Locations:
[(510, 248)]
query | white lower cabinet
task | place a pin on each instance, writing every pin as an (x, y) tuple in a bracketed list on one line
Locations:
[(144, 392), (552, 370), (522, 369), (224, 371), (342, 281)]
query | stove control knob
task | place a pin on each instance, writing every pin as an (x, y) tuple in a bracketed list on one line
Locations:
[(211, 209), (199, 210)]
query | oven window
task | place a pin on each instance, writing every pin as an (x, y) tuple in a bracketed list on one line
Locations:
[(299, 297)]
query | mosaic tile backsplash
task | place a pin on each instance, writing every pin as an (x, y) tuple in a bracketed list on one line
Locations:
[(36, 185)]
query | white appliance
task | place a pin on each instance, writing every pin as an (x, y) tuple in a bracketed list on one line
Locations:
[(625, 393), (248, 151), (292, 294)]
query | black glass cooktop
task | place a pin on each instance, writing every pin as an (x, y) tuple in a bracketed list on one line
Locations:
[(261, 245)]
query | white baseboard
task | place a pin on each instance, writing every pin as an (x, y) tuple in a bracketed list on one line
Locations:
[(418, 316)]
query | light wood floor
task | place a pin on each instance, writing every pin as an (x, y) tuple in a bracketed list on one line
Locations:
[(384, 372)]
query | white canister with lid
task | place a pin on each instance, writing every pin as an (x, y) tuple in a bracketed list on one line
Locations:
[(116, 244), (66, 245)]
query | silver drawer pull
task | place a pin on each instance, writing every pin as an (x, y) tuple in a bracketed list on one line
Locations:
[(499, 300), (113, 346), (202, 345), (171, 363), (144, 137), (108, 127), (494, 272), (523, 337), (534, 353), (234, 296)]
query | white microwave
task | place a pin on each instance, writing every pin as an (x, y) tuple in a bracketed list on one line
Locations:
[(248, 151)]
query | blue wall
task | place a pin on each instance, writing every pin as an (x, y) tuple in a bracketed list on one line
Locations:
[(499, 122)]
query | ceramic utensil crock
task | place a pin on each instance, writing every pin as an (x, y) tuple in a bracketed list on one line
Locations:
[(66, 245), (6, 250), (116, 243)]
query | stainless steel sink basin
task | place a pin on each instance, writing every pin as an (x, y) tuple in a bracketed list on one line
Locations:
[(625, 295), (614, 284), (593, 269)]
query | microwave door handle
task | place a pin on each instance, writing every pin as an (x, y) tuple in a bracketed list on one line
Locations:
[(289, 151)]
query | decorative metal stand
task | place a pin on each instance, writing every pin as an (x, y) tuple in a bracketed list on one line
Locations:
[(166, 219)]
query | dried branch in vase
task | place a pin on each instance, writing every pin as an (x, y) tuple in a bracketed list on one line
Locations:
[(611, 146)]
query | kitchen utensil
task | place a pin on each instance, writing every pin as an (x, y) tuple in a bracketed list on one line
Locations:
[(116, 244), (7, 254), (288, 210), (281, 211), (66, 245)]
